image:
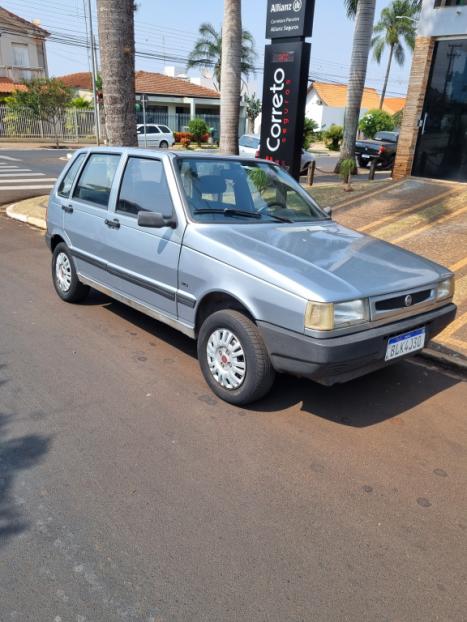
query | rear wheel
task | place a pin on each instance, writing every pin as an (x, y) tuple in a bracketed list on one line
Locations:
[(164, 144), (64, 276), (233, 358)]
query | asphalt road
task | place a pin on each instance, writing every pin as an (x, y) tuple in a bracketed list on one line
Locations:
[(128, 492)]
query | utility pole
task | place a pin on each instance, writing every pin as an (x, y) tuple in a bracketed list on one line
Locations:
[(94, 75)]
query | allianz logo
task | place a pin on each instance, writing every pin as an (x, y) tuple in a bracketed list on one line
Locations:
[(279, 7)]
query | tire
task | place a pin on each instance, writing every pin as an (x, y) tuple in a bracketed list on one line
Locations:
[(163, 144), (362, 163), (67, 286), (249, 382)]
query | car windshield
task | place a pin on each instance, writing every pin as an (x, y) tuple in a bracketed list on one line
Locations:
[(255, 192)]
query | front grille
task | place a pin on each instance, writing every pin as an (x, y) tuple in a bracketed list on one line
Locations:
[(398, 302)]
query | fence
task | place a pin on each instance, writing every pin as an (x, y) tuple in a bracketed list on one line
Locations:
[(70, 124), (74, 124)]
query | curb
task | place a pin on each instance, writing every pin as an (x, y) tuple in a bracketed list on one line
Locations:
[(30, 220), (450, 361)]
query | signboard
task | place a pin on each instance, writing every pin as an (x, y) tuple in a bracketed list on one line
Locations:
[(290, 19), (284, 97)]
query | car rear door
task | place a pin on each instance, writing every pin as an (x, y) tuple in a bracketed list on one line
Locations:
[(86, 215), (143, 262)]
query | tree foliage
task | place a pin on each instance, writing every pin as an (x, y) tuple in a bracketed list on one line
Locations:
[(45, 98), (198, 128), (253, 107), (376, 121), (207, 52), (333, 137)]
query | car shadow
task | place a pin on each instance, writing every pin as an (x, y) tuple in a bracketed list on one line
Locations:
[(363, 402), (16, 454)]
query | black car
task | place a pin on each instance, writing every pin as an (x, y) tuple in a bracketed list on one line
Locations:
[(383, 148)]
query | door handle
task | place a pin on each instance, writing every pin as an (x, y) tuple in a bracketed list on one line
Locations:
[(113, 224), (68, 209)]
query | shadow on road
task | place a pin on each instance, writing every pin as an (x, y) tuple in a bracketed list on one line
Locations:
[(16, 454), (363, 402)]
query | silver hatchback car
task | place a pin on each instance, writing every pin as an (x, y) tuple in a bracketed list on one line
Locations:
[(235, 254)]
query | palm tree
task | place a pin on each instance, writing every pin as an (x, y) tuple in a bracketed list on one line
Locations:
[(231, 85), (207, 52), (253, 110), (117, 50), (397, 25), (364, 13)]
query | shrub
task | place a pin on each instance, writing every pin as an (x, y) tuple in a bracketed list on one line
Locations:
[(198, 129), (376, 121), (397, 118), (179, 136), (309, 132), (185, 141), (333, 137)]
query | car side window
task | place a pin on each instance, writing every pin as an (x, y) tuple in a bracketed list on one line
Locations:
[(67, 182), (144, 188), (95, 182), (164, 129)]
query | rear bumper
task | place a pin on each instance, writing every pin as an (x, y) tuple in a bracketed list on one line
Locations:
[(339, 359)]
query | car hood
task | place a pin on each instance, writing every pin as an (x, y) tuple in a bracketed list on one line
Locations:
[(323, 261)]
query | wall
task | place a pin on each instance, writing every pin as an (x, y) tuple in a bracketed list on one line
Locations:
[(443, 21), (36, 67)]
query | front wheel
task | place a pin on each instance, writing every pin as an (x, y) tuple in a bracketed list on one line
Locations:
[(65, 278), (363, 163), (233, 358)]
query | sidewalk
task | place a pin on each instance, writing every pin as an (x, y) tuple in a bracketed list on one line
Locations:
[(424, 216)]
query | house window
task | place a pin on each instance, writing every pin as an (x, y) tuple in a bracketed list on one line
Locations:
[(20, 54)]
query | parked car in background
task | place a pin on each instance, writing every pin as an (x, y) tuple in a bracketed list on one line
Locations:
[(156, 136), (383, 148), (234, 253), (249, 145)]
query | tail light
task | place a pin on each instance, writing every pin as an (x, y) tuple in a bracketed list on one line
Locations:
[(381, 150), (257, 153)]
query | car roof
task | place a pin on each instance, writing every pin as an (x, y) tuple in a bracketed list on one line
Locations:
[(164, 154)]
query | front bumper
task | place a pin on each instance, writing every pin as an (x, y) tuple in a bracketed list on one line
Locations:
[(339, 359)]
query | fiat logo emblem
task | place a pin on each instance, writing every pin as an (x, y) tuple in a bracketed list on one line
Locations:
[(297, 6), (408, 300)]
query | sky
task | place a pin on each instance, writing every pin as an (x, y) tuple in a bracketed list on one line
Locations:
[(168, 29)]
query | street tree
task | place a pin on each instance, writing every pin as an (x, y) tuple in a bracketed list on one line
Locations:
[(397, 25), (253, 110), (207, 53), (231, 86), (46, 99), (364, 13), (117, 51)]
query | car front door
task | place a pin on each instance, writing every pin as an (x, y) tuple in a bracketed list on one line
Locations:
[(143, 262), (86, 214)]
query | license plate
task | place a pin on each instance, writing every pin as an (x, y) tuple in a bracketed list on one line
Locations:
[(405, 344), (367, 157)]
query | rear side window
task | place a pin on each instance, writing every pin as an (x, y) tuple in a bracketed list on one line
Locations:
[(144, 188), (165, 129), (67, 182), (95, 182)]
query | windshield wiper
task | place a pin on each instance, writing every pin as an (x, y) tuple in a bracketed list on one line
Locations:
[(280, 218), (228, 211)]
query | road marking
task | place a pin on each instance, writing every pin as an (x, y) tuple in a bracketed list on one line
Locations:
[(9, 158), (19, 174), (439, 221), (26, 187), (39, 180), (459, 323), (458, 343), (409, 211), (367, 196), (15, 170), (459, 265)]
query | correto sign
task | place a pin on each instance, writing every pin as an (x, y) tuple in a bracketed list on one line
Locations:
[(285, 84), (289, 19)]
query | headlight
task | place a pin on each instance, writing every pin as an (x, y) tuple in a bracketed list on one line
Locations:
[(327, 316), (445, 289)]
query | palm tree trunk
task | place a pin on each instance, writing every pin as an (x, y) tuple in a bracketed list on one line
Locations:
[(231, 76), (361, 48), (386, 79), (117, 49)]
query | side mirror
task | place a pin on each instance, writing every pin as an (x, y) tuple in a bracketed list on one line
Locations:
[(155, 220), (328, 211)]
